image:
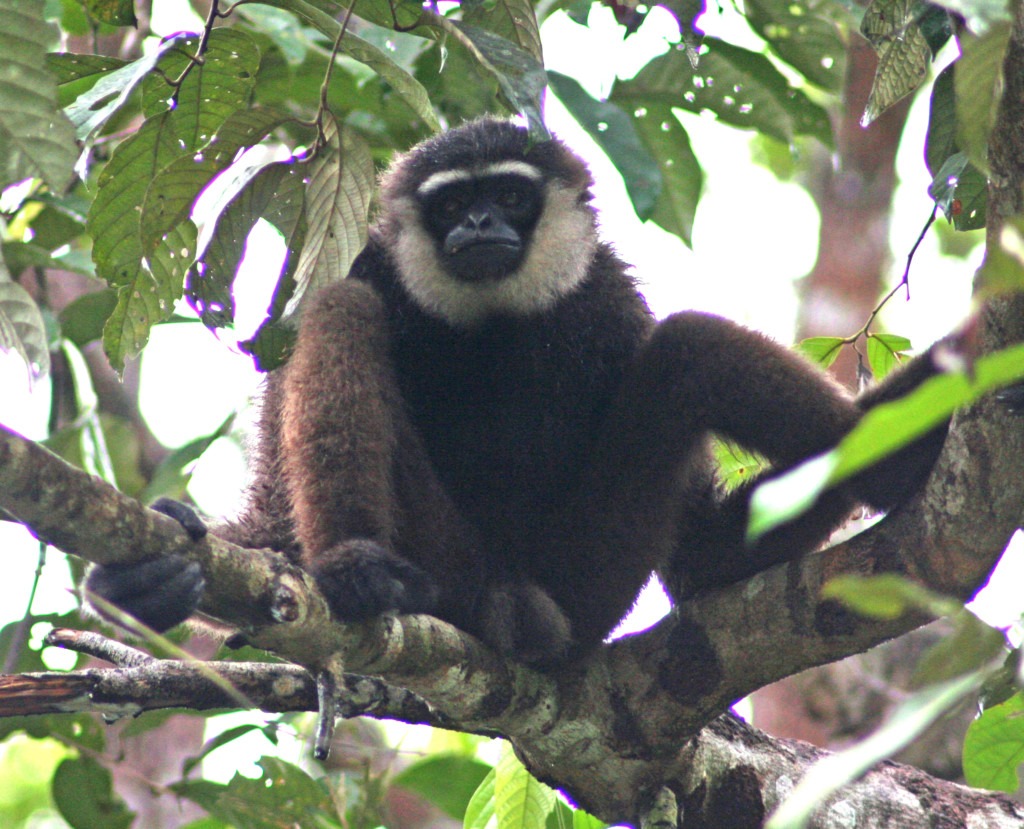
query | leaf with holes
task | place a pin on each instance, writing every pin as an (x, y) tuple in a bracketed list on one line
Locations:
[(805, 34), (115, 215), (682, 178), (615, 133), (275, 193), (36, 138), (149, 297), (211, 91), (741, 87), (170, 197), (340, 183), (92, 109)]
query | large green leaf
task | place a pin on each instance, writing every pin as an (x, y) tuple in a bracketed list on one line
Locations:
[(741, 87), (958, 187), (994, 746), (174, 189), (36, 138), (93, 108), (21, 326), (211, 91), (520, 76), (446, 780), (978, 82), (149, 297), (355, 47), (77, 73), (513, 20), (803, 33), (905, 34), (275, 193), (114, 218), (339, 185), (615, 133), (682, 178), (83, 791)]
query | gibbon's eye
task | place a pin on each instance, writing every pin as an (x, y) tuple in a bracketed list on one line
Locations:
[(509, 197), (452, 206)]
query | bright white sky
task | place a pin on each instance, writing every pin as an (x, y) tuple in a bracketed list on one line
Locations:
[(751, 281)]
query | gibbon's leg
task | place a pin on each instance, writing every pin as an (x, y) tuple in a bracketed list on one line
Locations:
[(649, 478), (361, 489)]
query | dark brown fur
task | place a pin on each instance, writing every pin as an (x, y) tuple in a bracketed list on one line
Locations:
[(521, 476)]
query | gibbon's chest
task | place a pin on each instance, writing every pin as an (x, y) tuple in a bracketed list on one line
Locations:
[(509, 411)]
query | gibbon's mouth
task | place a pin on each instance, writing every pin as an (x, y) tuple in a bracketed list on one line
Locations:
[(481, 259)]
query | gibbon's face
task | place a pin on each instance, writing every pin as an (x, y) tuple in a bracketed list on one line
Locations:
[(479, 223), (482, 221)]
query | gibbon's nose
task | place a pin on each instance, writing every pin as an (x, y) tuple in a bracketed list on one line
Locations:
[(477, 220)]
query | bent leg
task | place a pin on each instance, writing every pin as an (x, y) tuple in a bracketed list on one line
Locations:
[(649, 473)]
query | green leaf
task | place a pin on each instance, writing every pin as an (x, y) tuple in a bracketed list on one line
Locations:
[(357, 48), (805, 35), (83, 793), (36, 138), (887, 596), (994, 747), (885, 352), (520, 800), (892, 27), (21, 326), (114, 225), (978, 82), (883, 430), (480, 811), (682, 178), (76, 74), (741, 87), (513, 20), (961, 190), (520, 76), (114, 12), (979, 14), (972, 646), (82, 320), (446, 780), (92, 109), (339, 185), (211, 91), (614, 132), (822, 350), (276, 193), (913, 716), (169, 199), (285, 795), (889, 426), (174, 472), (149, 297), (214, 743)]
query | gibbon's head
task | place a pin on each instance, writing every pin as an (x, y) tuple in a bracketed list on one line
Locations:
[(479, 222)]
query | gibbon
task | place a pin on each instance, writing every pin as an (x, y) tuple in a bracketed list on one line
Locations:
[(484, 422)]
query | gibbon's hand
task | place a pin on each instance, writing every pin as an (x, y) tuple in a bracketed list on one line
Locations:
[(160, 592)]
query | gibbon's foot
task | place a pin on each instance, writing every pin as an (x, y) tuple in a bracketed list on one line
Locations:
[(361, 579), (183, 514), (160, 593), (521, 620)]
